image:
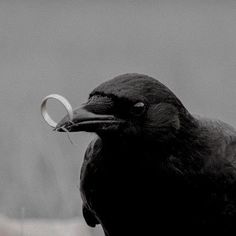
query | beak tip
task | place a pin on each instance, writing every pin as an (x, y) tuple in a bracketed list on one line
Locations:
[(64, 125), (55, 129), (59, 129)]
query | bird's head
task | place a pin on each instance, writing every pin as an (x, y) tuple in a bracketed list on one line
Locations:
[(129, 105)]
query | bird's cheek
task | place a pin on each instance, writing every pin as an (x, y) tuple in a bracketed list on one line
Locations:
[(163, 116), (162, 132), (132, 130)]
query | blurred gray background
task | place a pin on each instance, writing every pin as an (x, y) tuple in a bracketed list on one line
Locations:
[(69, 47)]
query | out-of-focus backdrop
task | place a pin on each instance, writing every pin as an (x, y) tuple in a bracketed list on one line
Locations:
[(69, 47)]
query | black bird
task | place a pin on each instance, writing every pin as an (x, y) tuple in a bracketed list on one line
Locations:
[(154, 169)]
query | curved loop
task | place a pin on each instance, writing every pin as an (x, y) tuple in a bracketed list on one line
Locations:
[(62, 100)]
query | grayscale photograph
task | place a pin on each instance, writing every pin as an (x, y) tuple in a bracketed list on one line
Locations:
[(118, 117)]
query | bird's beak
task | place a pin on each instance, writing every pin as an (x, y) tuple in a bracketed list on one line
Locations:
[(84, 120)]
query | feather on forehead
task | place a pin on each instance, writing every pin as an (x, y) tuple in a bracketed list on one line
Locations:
[(134, 87)]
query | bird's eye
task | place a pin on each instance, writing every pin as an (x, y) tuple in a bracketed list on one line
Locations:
[(138, 108)]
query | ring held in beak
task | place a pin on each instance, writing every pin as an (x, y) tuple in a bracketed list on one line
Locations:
[(62, 100)]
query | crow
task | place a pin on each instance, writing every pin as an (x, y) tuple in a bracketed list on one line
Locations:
[(154, 168)]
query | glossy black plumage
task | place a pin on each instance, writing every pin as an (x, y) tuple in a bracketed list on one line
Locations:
[(162, 171)]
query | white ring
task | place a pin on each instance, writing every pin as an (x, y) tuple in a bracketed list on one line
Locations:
[(62, 100)]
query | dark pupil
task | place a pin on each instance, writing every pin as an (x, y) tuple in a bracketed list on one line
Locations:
[(138, 108)]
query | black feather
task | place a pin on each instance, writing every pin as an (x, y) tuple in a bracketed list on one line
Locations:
[(167, 172)]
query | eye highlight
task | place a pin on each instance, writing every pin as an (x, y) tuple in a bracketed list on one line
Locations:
[(138, 108)]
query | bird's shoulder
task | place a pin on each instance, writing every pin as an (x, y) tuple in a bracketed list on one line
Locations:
[(221, 137), (216, 126)]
